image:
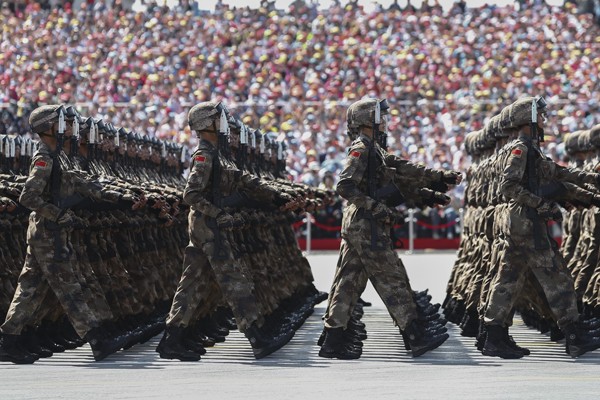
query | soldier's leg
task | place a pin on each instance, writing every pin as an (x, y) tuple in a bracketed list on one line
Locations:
[(189, 291), (558, 288), (349, 282), (388, 276), (64, 283), (587, 267), (507, 283), (236, 287), (31, 291)]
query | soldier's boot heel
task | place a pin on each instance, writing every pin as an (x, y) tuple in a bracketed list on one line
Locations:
[(263, 344), (322, 337), (420, 342), (335, 345), (171, 346), (497, 345), (11, 352), (514, 345), (578, 342), (103, 346), (190, 343)]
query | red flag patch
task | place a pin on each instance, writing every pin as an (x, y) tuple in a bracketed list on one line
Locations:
[(200, 159), (41, 163), (517, 152), (355, 154)]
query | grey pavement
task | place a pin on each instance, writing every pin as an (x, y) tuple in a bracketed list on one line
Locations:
[(386, 370)]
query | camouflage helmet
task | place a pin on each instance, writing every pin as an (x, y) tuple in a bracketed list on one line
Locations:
[(42, 118), (496, 127), (470, 146), (363, 113), (504, 118), (595, 136), (583, 141), (571, 142), (520, 112), (202, 115)]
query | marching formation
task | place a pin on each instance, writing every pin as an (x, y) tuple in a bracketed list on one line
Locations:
[(97, 231), (104, 240), (507, 260)]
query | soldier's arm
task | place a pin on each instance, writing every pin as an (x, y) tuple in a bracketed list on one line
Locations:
[(92, 188), (511, 183), (415, 171), (39, 177), (196, 189), (433, 178), (354, 170), (576, 176)]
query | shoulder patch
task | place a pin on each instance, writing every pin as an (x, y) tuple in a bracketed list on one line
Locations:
[(517, 152), (355, 154), (200, 159), (41, 164)]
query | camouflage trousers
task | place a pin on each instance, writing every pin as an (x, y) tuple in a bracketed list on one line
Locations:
[(42, 272), (387, 275), (196, 287), (545, 268)]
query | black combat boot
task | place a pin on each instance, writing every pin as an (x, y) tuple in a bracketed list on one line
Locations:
[(10, 351), (497, 344), (555, 333), (192, 344), (171, 346), (470, 324), (364, 303), (30, 342), (336, 345), (514, 345), (263, 344), (103, 346), (419, 341), (481, 336), (579, 342)]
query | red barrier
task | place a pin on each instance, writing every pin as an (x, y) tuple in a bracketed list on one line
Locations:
[(420, 244)]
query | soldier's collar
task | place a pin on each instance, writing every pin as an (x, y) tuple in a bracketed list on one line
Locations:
[(364, 138), (207, 143)]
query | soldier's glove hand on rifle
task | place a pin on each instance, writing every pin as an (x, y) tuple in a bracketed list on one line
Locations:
[(225, 220), (432, 198), (239, 220), (549, 211), (10, 206), (381, 211), (137, 201), (66, 218), (452, 177)]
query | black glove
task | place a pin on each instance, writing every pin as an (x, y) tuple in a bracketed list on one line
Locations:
[(381, 211), (225, 220), (432, 198), (549, 211), (451, 177), (65, 219)]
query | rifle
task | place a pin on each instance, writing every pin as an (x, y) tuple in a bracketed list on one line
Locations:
[(533, 182), (372, 178), (220, 252)]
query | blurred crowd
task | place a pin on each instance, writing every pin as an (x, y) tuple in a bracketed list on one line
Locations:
[(295, 71)]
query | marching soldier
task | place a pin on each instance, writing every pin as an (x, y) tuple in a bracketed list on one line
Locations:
[(366, 251)]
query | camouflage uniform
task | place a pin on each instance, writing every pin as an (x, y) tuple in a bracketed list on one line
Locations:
[(358, 260), (206, 249), (49, 260), (516, 260)]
